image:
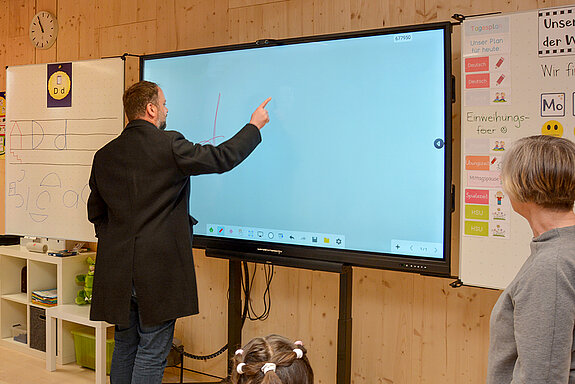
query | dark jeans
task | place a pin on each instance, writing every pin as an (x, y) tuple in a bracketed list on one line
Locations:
[(140, 352)]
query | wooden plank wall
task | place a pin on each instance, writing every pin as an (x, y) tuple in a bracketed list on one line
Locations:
[(407, 328)]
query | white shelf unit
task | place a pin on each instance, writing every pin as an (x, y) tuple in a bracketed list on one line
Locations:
[(42, 272)]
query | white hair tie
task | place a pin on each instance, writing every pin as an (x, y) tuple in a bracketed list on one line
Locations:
[(298, 353), (239, 352), (240, 367), (298, 342), (268, 367)]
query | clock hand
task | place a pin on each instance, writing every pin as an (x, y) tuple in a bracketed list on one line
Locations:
[(41, 27)]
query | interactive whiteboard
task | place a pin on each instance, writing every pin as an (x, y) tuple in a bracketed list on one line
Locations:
[(354, 165), (58, 116)]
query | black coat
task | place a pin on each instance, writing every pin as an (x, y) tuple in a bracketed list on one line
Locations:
[(139, 204)]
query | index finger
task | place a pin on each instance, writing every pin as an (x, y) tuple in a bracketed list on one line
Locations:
[(263, 105)]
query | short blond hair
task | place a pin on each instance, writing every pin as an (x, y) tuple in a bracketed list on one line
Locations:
[(541, 169)]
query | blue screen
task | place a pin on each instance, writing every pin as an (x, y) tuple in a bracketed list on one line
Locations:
[(352, 157)]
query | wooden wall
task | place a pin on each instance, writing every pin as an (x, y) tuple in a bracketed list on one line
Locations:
[(407, 328)]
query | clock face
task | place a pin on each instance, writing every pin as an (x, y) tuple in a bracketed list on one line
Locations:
[(43, 30)]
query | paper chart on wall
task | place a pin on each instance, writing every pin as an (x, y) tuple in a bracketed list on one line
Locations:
[(518, 75), (58, 116)]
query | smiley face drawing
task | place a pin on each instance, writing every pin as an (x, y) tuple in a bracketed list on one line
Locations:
[(552, 128)]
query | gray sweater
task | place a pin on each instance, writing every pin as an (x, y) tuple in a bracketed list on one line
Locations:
[(532, 323)]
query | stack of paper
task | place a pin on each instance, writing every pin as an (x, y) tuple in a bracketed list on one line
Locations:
[(48, 297)]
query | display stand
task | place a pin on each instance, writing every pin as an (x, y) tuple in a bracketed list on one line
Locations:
[(345, 302), (344, 326)]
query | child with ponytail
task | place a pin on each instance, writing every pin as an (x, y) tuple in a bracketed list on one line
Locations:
[(272, 360)]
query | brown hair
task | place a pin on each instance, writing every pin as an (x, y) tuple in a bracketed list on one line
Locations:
[(274, 349), (137, 98), (541, 169)]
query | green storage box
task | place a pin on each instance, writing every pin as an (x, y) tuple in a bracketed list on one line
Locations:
[(85, 346)]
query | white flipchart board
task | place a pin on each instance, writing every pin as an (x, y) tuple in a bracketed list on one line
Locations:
[(518, 79), (49, 150)]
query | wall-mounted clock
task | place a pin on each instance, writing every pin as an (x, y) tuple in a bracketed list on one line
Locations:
[(43, 30)]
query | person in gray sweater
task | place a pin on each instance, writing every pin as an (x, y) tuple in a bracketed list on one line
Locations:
[(532, 323)]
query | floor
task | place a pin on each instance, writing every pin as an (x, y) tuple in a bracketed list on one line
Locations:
[(20, 368)]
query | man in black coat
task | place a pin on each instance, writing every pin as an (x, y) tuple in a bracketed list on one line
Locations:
[(139, 205)]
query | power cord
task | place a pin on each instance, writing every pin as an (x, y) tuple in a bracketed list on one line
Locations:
[(247, 285)]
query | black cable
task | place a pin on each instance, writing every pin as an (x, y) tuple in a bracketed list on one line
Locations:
[(244, 313), (202, 357), (202, 373), (180, 349), (269, 273), (247, 285), (246, 291)]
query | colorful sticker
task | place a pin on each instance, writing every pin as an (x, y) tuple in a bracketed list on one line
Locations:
[(498, 197), (552, 128), (476, 228), (499, 213), (477, 163), (485, 179), (59, 85), (499, 230), (477, 212), (477, 196)]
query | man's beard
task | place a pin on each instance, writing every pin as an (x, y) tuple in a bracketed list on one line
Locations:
[(162, 126)]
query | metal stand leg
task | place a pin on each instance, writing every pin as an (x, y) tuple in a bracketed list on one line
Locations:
[(234, 310), (344, 326)]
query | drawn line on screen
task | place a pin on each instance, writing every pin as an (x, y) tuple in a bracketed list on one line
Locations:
[(214, 137)]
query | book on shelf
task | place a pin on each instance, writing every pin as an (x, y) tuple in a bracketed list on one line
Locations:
[(47, 297)]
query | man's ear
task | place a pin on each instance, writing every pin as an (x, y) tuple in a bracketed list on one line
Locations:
[(151, 110)]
